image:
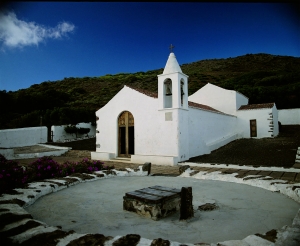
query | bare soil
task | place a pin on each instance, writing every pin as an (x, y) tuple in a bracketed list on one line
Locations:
[(279, 151)]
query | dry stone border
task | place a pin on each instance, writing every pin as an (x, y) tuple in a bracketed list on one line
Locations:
[(287, 235), (17, 227), (297, 160)]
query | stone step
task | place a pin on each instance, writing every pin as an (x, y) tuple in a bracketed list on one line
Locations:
[(297, 165), (121, 159)]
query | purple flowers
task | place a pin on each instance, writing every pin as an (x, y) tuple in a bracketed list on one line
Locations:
[(12, 175)]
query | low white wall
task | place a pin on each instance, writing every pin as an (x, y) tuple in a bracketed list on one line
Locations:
[(20, 137), (289, 116), (59, 134), (7, 153), (208, 130)]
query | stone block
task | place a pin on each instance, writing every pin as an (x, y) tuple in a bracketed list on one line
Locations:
[(183, 168), (153, 202), (147, 167), (186, 208)]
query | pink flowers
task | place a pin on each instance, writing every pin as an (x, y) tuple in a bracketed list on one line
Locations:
[(12, 175)]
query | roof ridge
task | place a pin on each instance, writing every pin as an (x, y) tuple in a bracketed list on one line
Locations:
[(257, 106), (203, 106), (143, 91)]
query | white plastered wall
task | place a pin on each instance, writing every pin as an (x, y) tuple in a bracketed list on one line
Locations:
[(21, 137), (209, 131), (263, 122), (156, 138), (240, 100), (289, 116), (59, 134), (227, 101), (275, 121)]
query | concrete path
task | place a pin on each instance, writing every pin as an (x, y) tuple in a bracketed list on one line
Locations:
[(33, 149)]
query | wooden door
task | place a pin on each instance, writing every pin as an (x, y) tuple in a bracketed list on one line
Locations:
[(253, 128), (126, 134)]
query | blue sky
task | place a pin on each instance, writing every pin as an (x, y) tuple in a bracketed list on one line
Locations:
[(48, 41)]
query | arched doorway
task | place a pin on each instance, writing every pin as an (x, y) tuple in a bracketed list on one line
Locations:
[(126, 134)]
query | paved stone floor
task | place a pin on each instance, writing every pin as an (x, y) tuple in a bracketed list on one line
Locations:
[(76, 155), (292, 177)]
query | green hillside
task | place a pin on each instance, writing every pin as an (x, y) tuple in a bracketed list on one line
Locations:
[(261, 77)]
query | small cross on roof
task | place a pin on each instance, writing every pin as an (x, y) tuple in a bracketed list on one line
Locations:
[(171, 48)]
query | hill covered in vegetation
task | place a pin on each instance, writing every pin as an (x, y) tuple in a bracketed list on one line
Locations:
[(261, 77)]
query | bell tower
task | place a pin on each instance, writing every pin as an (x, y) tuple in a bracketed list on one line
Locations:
[(173, 106), (172, 86)]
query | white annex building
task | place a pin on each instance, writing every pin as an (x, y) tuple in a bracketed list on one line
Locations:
[(169, 126)]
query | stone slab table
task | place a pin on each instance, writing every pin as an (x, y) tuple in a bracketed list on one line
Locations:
[(154, 202)]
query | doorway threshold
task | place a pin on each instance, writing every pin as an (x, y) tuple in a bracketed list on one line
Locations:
[(121, 159)]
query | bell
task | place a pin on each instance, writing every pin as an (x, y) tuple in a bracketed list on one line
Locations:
[(168, 91), (182, 92)]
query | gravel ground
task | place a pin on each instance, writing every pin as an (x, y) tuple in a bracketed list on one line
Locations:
[(279, 151)]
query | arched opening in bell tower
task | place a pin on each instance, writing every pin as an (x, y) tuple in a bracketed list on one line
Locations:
[(182, 91), (168, 97)]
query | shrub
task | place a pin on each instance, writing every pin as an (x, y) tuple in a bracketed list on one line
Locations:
[(82, 130), (14, 176), (73, 129), (11, 175), (70, 129), (44, 168), (84, 166)]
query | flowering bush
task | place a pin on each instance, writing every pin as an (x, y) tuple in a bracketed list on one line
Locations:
[(84, 166), (13, 176), (44, 168)]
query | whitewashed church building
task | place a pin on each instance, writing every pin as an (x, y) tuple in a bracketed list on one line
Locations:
[(169, 126)]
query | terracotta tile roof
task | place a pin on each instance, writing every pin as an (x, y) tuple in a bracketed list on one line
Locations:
[(256, 106), (145, 92), (202, 106)]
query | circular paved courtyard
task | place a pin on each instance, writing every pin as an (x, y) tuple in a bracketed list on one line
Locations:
[(97, 207)]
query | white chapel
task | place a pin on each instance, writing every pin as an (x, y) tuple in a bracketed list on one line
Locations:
[(169, 126)]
